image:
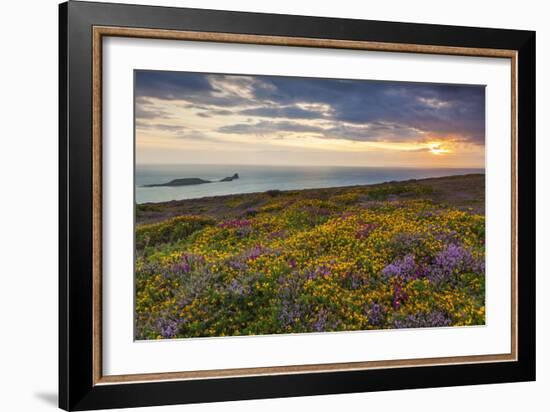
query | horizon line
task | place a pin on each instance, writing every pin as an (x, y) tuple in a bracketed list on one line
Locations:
[(292, 165)]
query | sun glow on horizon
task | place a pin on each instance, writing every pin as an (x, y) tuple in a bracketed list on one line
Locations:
[(437, 149)]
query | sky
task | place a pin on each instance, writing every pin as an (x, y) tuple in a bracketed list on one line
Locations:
[(201, 118)]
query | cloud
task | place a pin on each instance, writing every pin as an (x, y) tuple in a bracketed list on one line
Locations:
[(288, 112), (373, 132), (269, 127), (170, 85), (347, 109), (175, 131), (195, 135), (145, 109), (144, 125), (434, 103), (220, 112), (198, 88)]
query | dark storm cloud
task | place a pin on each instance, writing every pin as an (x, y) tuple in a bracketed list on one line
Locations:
[(358, 109)]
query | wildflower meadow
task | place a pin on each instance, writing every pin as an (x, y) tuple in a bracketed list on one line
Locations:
[(395, 255)]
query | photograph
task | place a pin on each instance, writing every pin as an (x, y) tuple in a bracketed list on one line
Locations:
[(269, 205)]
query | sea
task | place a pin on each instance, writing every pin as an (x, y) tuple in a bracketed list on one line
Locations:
[(262, 178)]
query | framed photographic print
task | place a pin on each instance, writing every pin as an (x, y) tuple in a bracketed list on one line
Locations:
[(257, 205)]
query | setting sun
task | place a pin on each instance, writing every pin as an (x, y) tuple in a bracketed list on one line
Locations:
[(436, 149)]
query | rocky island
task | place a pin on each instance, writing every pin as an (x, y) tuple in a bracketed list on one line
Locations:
[(189, 181), (230, 178)]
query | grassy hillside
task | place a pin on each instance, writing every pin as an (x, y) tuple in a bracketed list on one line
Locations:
[(395, 255)]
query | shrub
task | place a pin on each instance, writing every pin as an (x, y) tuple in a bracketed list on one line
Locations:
[(171, 230), (384, 191), (273, 193)]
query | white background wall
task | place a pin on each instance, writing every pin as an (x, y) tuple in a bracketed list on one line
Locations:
[(28, 203)]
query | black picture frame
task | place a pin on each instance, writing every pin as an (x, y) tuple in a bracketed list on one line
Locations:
[(77, 390)]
